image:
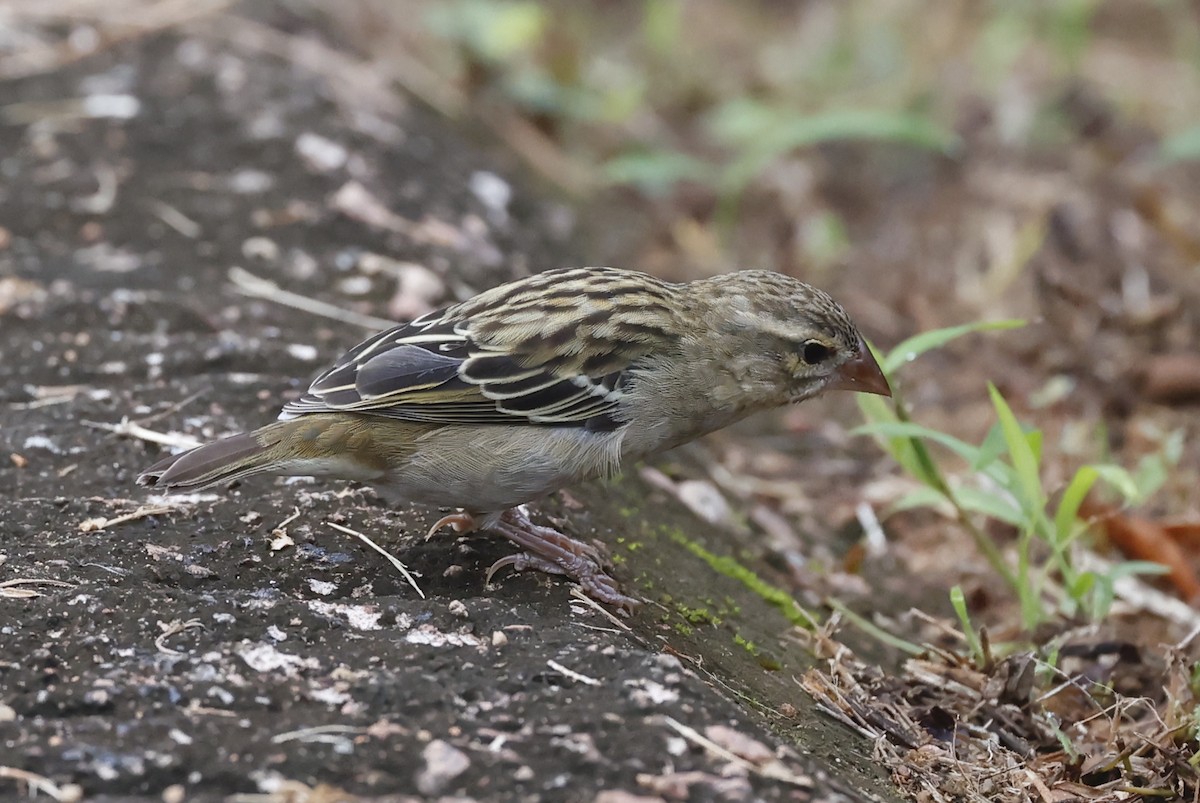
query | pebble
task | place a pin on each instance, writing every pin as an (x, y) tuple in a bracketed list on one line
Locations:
[(443, 763)]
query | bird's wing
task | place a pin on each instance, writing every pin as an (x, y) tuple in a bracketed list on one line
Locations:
[(556, 360)]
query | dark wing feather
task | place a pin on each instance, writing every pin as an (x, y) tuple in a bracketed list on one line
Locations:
[(497, 359), (405, 366)]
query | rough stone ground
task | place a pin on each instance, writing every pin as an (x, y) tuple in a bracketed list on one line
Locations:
[(213, 649)]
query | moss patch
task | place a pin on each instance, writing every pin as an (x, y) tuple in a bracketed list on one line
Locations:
[(732, 568)]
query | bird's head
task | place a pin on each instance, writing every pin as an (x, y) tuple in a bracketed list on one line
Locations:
[(781, 331)]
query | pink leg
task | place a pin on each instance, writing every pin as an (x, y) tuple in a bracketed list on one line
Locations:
[(548, 550)]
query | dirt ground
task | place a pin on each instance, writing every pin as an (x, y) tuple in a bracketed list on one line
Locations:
[(192, 223), (234, 642)]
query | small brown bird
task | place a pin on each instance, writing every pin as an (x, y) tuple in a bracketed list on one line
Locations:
[(541, 382)]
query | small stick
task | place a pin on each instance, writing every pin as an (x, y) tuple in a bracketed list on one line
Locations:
[(308, 734), (176, 407), (143, 511), (394, 560), (40, 783), (172, 629), (774, 770), (578, 594), (176, 219), (133, 430), (572, 674), (12, 589), (248, 284)]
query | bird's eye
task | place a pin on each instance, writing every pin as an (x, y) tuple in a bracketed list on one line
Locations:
[(815, 352)]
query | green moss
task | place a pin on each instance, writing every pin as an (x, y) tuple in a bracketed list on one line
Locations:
[(731, 567), (697, 616), (765, 659)]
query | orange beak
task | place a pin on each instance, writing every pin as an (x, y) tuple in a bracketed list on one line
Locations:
[(862, 374)]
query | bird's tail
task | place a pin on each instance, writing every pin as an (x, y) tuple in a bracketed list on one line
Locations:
[(220, 461)]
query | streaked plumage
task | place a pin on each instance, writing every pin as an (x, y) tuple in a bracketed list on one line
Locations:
[(558, 377)]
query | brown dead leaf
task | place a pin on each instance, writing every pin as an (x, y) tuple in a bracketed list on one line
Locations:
[(1172, 379), (1144, 539)]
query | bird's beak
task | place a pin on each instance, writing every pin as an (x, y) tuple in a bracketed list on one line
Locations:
[(862, 374)]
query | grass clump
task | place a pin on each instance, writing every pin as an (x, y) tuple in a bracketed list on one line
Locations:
[(1003, 482)]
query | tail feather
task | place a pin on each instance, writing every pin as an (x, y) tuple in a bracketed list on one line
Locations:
[(213, 463)]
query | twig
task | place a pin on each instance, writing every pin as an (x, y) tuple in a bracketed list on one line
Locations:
[(774, 770), (115, 22), (318, 733), (48, 401), (394, 560), (248, 284), (1186, 640), (40, 783), (174, 408), (1137, 593), (131, 429), (102, 200), (176, 219), (48, 395), (12, 589), (172, 629), (578, 594), (572, 674), (874, 630), (874, 536), (279, 535), (143, 511), (352, 79)]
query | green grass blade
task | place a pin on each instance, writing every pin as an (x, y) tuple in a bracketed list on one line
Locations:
[(904, 450), (1022, 453), (1129, 568), (1120, 479), (1183, 146), (908, 350), (959, 602), (903, 429), (924, 496), (1068, 507), (991, 448), (656, 172), (790, 133), (991, 504)]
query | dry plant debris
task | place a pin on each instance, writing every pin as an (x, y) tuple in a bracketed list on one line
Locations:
[(1099, 726)]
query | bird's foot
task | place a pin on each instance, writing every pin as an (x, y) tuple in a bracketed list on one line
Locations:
[(548, 550), (461, 522)]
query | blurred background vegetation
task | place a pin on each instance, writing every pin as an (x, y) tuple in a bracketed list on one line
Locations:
[(711, 110)]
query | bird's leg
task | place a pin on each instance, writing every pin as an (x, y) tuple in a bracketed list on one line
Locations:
[(461, 522), (548, 550)]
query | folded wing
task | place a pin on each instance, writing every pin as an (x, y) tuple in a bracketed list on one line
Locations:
[(434, 371)]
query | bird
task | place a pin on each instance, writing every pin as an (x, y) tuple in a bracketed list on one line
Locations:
[(545, 381)]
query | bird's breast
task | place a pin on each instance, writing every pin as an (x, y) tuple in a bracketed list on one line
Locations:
[(493, 468)]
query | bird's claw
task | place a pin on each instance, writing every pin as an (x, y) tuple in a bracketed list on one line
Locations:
[(548, 550), (595, 582), (461, 522)]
